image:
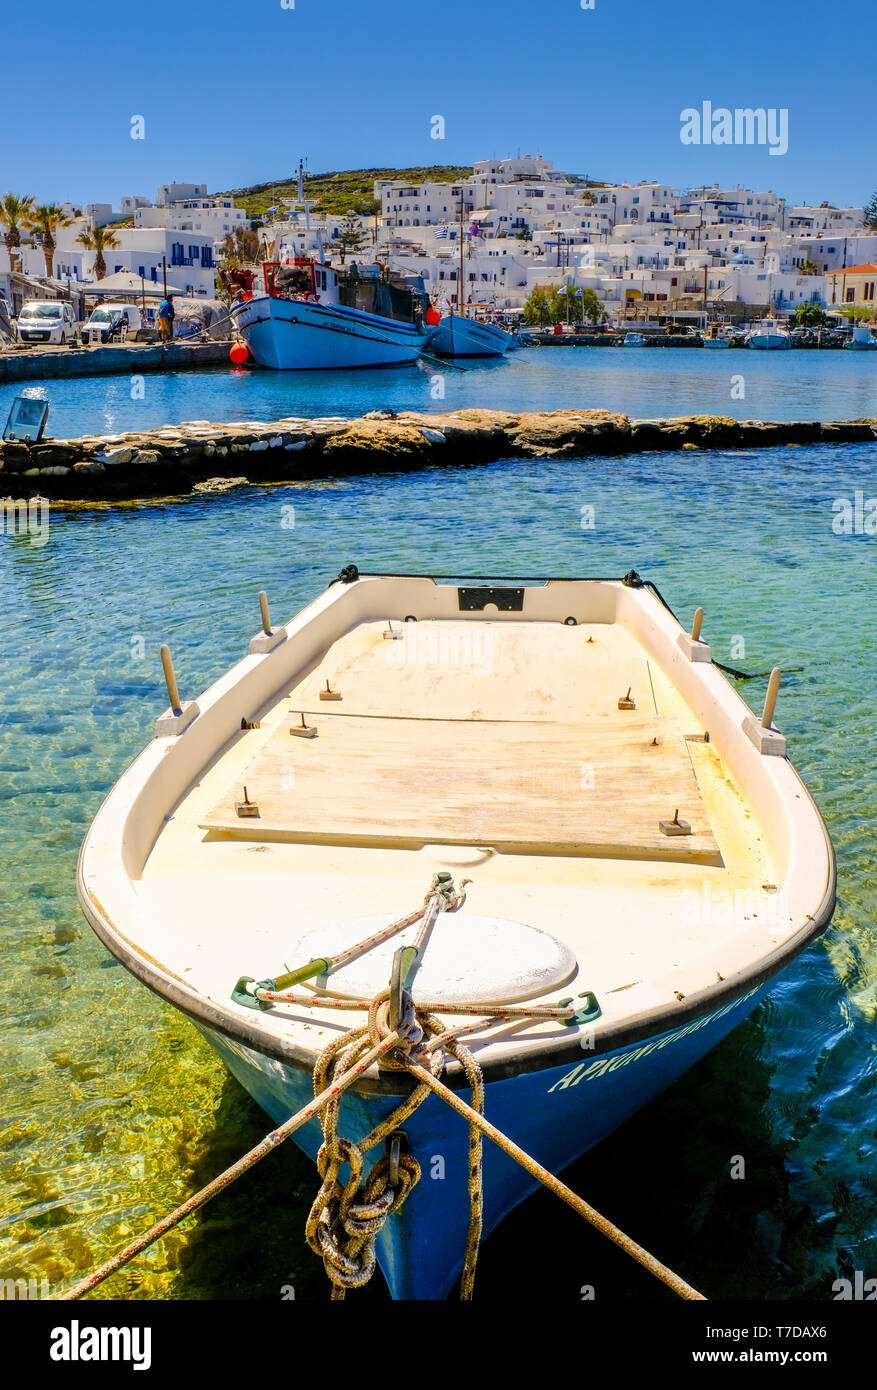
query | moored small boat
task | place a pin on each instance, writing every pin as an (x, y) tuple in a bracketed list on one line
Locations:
[(635, 841), (316, 316), (459, 336), (717, 337), (863, 338), (633, 340), (768, 335)]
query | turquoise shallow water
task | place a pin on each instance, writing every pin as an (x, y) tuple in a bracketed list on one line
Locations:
[(113, 1110), (643, 382)]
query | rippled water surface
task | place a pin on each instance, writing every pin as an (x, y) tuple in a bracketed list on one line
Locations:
[(644, 382), (113, 1110)]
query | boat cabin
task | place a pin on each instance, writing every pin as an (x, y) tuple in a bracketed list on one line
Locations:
[(371, 289)]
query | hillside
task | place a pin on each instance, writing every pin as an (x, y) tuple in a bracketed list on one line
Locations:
[(339, 190), (343, 189)]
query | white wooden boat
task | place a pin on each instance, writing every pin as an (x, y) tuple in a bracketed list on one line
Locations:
[(642, 856), (633, 340)]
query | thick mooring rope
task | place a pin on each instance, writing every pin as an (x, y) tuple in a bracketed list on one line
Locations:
[(346, 1217)]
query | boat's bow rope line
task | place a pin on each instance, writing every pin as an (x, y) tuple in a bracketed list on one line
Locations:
[(347, 1215)]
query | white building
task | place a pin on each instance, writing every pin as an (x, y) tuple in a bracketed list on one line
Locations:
[(825, 218), (187, 256), (216, 217), (178, 192), (640, 202)]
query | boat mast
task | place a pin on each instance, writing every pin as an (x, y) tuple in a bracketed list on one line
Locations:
[(462, 293)]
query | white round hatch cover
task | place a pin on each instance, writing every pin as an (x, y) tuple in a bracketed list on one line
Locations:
[(468, 959)]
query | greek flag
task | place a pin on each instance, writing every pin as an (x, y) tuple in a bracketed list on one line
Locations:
[(440, 233)]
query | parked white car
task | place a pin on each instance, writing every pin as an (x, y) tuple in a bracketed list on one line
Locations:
[(47, 321), (110, 319)]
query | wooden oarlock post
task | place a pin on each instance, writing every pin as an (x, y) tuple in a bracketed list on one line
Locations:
[(266, 616), (761, 732), (691, 644), (173, 689), (770, 699), (180, 714), (268, 637)]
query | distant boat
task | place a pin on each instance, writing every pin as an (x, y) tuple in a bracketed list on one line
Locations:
[(313, 316), (769, 335), (458, 336), (717, 338), (633, 340), (863, 338)]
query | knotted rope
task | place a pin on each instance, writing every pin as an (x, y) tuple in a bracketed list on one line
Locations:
[(347, 1216)]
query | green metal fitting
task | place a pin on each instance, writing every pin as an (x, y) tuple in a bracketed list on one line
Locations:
[(587, 1012), (241, 995)]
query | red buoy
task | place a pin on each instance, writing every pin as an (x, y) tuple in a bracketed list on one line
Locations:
[(432, 316), (239, 353)]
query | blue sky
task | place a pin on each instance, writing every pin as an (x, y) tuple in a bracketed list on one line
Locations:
[(234, 94)]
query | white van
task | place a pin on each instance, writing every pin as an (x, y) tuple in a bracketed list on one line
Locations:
[(112, 320), (47, 321)]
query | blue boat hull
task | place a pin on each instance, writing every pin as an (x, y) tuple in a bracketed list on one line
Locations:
[(457, 336), (300, 335), (555, 1114)]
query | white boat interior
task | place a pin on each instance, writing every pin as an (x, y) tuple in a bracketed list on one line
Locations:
[(536, 739)]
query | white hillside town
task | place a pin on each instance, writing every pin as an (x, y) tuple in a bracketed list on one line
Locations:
[(645, 249)]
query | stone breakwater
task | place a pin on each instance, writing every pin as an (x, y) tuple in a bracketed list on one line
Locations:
[(201, 457)]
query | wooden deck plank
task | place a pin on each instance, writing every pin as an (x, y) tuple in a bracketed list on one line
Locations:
[(481, 670), (600, 786)]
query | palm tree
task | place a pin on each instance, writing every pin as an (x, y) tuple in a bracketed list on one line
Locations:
[(47, 218), (16, 214), (98, 240)]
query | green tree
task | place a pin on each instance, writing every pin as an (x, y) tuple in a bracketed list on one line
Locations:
[(537, 308), (857, 313), (353, 235), (47, 218), (810, 316), (16, 215), (524, 234), (577, 305), (98, 240), (871, 213)]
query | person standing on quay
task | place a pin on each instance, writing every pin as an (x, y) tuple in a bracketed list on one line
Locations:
[(166, 319)]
